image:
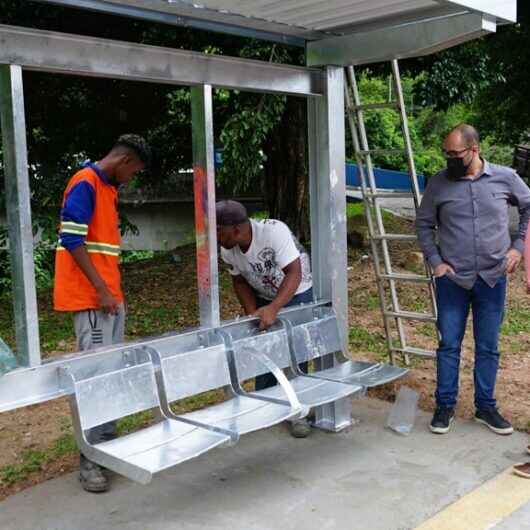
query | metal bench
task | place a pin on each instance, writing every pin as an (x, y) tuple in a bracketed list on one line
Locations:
[(314, 339), (250, 347), (208, 367), (157, 372), (97, 398)]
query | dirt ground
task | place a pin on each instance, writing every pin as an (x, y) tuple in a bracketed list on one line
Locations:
[(38, 428)]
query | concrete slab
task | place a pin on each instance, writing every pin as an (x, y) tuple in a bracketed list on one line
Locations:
[(366, 479)]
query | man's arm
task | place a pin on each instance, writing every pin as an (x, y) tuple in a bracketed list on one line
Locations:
[(520, 197), (426, 221), (286, 291), (108, 303), (244, 294)]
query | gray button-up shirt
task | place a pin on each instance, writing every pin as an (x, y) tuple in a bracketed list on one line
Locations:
[(471, 220)]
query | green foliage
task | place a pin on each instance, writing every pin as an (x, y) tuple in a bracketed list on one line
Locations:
[(131, 256), (427, 125), (457, 75)]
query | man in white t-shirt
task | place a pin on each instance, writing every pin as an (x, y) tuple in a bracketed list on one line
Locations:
[(270, 269)]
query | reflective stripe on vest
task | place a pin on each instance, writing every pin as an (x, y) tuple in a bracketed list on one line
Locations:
[(95, 247)]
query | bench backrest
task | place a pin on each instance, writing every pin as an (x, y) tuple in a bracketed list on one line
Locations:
[(316, 338), (274, 344), (191, 373), (112, 395)]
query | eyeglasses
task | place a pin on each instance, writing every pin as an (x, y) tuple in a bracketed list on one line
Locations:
[(454, 154)]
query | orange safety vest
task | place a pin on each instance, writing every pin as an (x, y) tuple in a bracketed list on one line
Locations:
[(72, 289)]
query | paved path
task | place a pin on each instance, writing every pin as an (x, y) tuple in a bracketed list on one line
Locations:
[(366, 479)]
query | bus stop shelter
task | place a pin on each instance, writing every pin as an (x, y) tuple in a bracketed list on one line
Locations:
[(335, 34)]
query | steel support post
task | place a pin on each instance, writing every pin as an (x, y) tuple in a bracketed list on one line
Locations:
[(18, 209), (204, 192), (328, 221)]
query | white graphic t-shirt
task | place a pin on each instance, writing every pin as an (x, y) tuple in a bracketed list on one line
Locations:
[(273, 247)]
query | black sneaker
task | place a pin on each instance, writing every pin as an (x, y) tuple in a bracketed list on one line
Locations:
[(442, 419), (492, 419)]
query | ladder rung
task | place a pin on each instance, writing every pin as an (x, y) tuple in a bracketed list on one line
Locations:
[(395, 237), (406, 277), (381, 152), (420, 352), (390, 195), (373, 106), (410, 315)]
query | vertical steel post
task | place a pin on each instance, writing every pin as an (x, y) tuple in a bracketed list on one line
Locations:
[(204, 192), (18, 208), (328, 221)]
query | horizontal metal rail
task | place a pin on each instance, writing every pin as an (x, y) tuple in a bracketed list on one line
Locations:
[(389, 195), (366, 152), (29, 386), (62, 53), (377, 106), (410, 315), (418, 352), (394, 237), (406, 277)]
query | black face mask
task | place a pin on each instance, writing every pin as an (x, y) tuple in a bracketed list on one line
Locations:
[(456, 168)]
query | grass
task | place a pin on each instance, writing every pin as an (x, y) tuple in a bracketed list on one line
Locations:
[(363, 340), (517, 320)]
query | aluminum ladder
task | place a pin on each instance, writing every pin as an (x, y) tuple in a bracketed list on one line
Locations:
[(386, 277)]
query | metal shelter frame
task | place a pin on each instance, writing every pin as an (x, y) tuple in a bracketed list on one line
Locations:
[(323, 86)]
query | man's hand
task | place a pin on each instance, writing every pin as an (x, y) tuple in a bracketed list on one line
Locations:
[(107, 302), (513, 258), (267, 315), (442, 270)]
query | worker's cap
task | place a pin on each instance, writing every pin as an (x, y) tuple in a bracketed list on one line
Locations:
[(230, 213)]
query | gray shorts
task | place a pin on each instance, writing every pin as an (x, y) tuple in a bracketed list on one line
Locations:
[(94, 329)]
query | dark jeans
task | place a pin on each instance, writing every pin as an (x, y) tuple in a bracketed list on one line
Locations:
[(267, 380), (454, 303)]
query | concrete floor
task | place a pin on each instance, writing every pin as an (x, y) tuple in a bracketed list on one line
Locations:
[(367, 479)]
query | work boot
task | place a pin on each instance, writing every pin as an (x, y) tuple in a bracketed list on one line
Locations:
[(493, 420), (300, 428), (442, 419), (92, 477)]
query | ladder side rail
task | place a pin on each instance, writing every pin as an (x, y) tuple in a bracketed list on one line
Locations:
[(369, 220), (412, 167), (379, 218)]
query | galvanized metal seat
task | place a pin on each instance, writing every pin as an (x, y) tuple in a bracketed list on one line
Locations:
[(97, 398), (189, 373), (317, 338), (249, 347)]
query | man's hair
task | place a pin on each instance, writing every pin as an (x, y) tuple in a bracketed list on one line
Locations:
[(230, 213), (469, 134), (136, 144)]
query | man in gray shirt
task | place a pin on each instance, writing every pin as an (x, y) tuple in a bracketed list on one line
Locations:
[(463, 231)]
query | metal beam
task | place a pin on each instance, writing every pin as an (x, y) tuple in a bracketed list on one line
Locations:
[(18, 208), (204, 191), (327, 192), (503, 10), (29, 386), (63, 53), (400, 42)]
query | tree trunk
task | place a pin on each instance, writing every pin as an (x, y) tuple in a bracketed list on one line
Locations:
[(286, 169)]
